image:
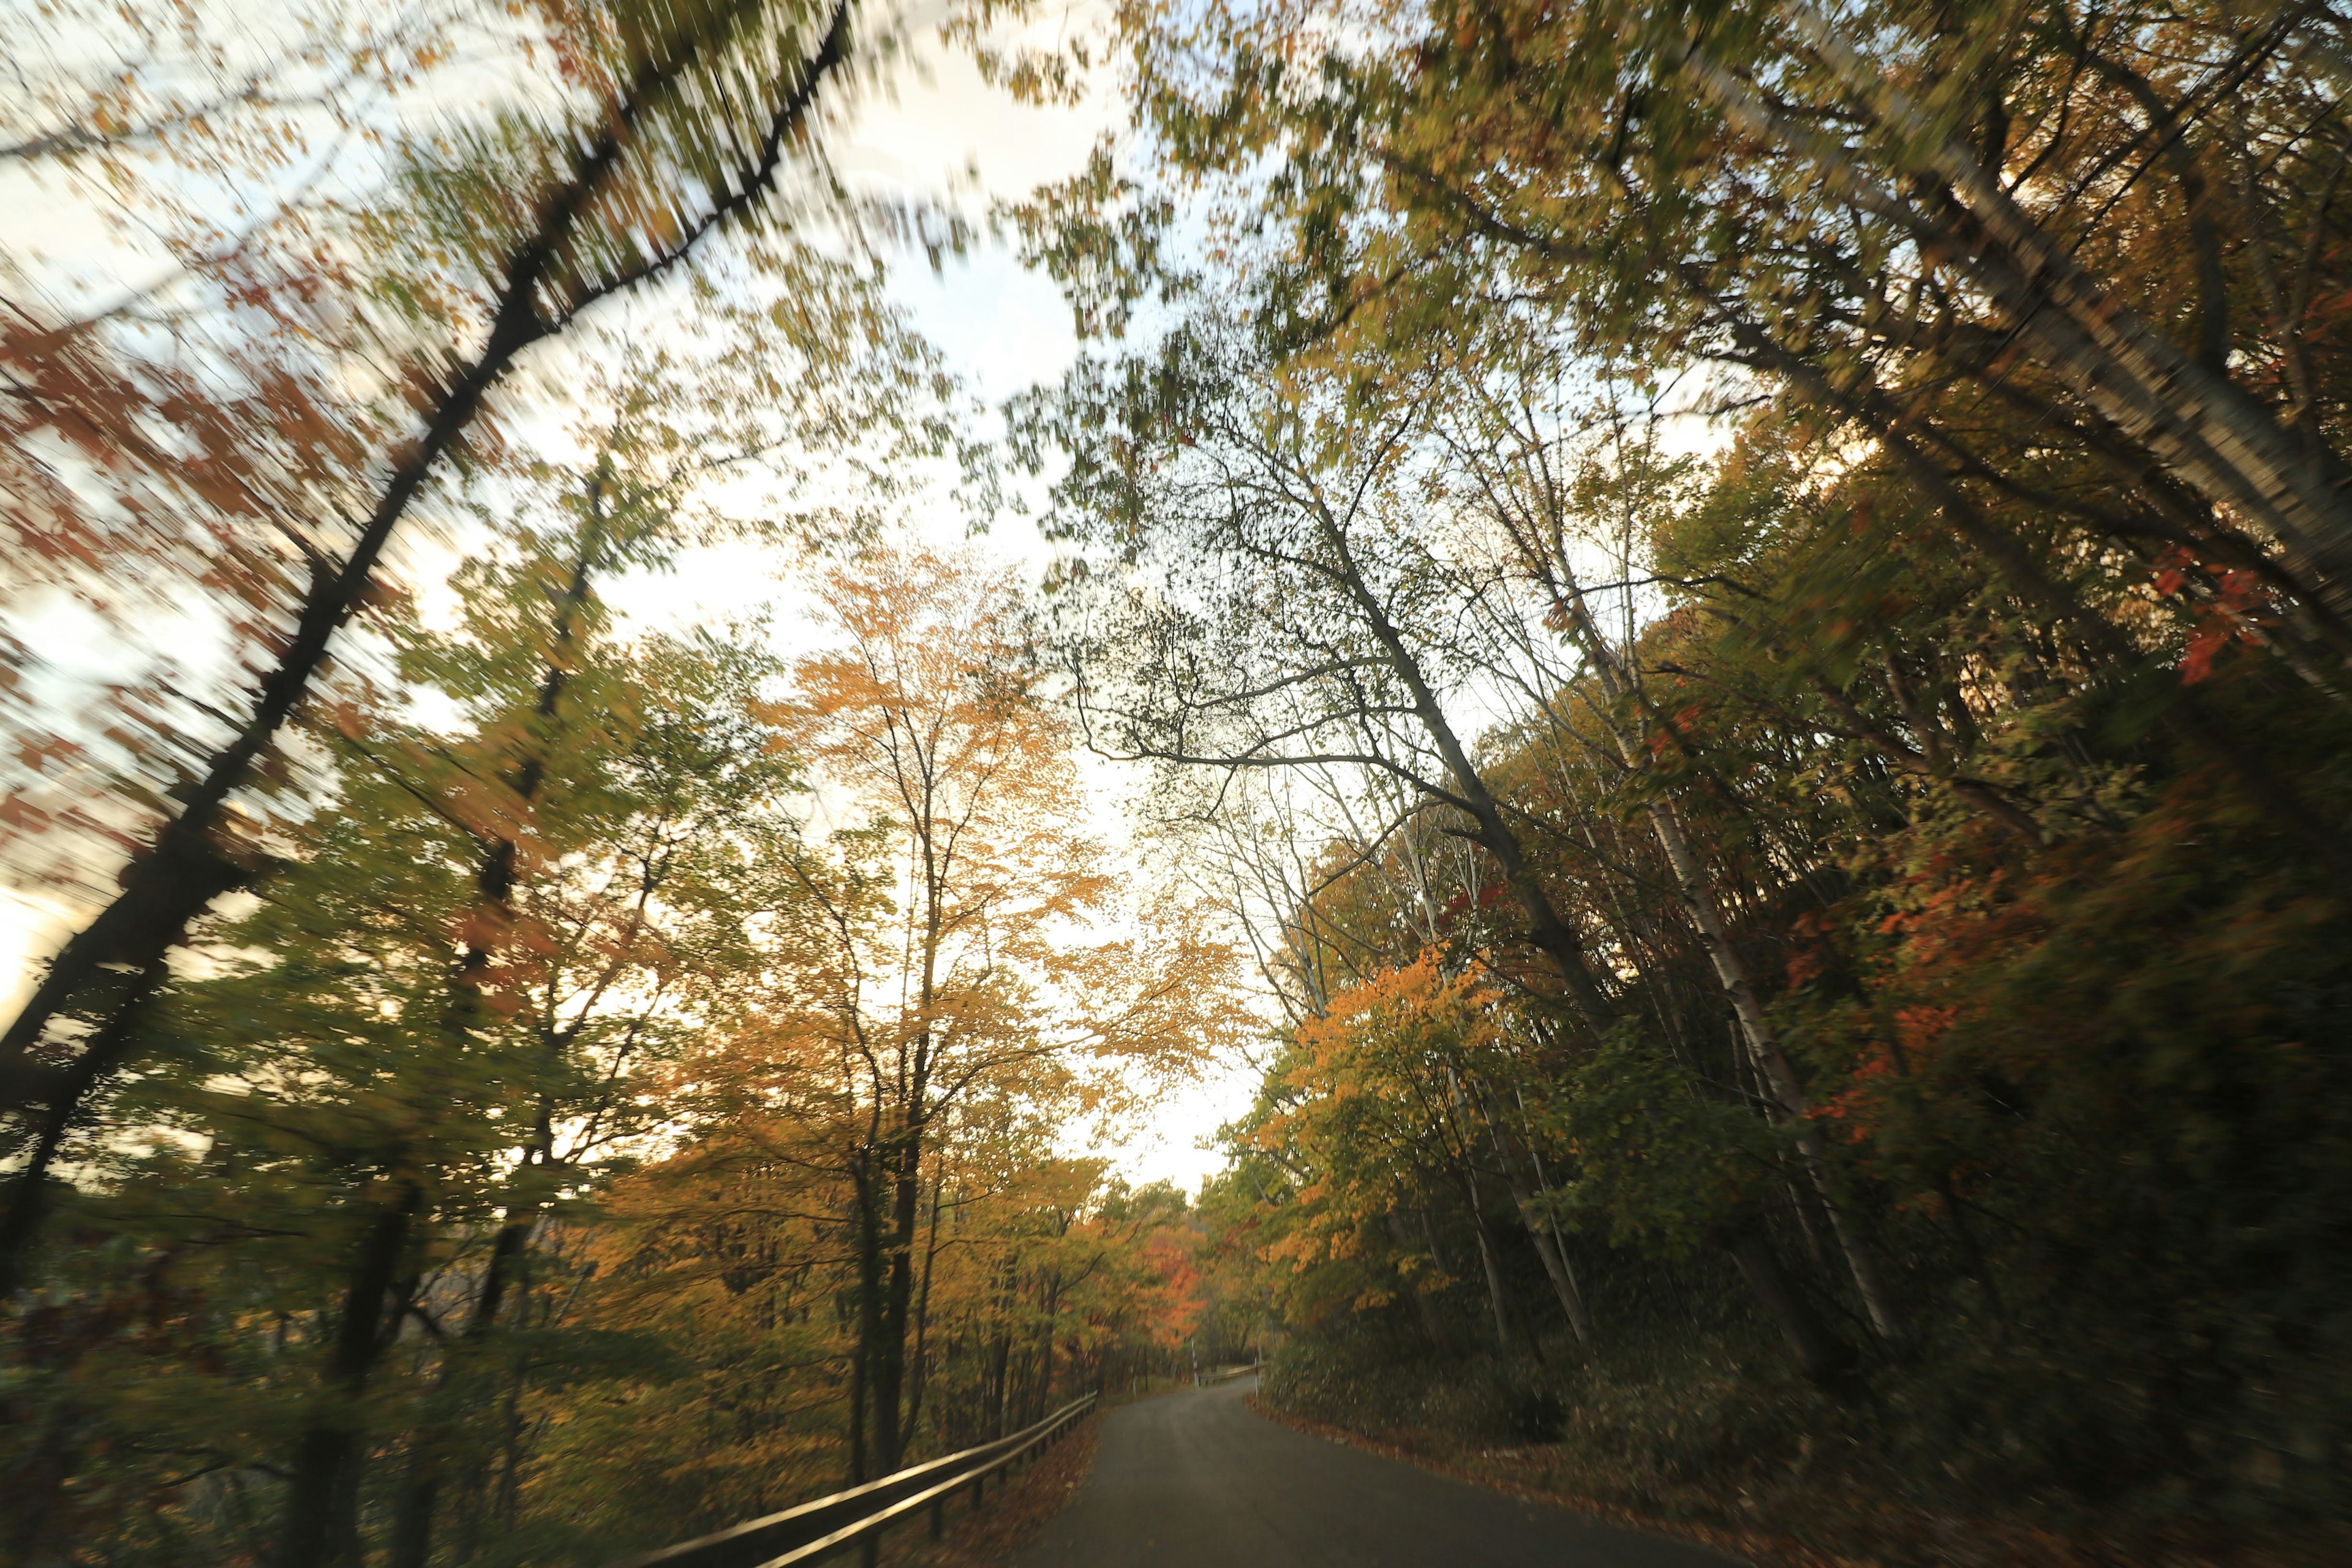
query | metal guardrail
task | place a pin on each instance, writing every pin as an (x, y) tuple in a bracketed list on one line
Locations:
[(825, 1526), (1225, 1374)]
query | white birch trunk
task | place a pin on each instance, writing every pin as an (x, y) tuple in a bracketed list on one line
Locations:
[(1698, 896), (2206, 431)]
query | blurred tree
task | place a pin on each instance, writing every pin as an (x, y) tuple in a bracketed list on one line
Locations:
[(488, 241)]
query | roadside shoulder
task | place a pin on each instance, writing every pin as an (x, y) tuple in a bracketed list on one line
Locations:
[(1757, 1547)]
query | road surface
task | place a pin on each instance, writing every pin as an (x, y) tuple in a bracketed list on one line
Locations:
[(1197, 1479)]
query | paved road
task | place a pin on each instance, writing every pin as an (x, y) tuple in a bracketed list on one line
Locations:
[(1197, 1479)]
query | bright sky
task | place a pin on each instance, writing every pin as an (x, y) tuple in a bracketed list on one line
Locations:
[(1000, 329)]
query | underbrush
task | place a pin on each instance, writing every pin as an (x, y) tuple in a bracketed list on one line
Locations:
[(1710, 1435)]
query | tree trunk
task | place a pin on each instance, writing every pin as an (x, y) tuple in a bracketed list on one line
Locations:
[(1699, 900), (1493, 1269), (1432, 1323), (29, 1193), (869, 1307), (1563, 1278), (1820, 1352), (1489, 1259), (1000, 1365), (2205, 430), (898, 1307), (1046, 1347), (326, 1457), (1554, 1257), (411, 1528), (1551, 933), (494, 883), (917, 1373), (999, 1350), (1774, 1063)]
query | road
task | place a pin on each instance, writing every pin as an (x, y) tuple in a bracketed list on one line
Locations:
[(1197, 1479)]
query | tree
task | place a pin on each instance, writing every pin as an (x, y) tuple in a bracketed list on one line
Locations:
[(1294, 588), (650, 153), (327, 1166), (935, 930)]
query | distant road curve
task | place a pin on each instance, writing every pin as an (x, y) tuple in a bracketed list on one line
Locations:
[(1197, 1479)]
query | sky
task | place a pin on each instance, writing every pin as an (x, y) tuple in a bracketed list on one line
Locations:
[(938, 130)]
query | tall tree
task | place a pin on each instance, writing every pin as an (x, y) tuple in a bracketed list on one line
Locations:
[(938, 932), (1290, 591), (648, 154)]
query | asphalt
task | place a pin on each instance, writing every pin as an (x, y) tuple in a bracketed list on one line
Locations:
[(1198, 1480)]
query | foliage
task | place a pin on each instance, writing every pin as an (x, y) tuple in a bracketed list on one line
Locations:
[(1750, 483), (1744, 607)]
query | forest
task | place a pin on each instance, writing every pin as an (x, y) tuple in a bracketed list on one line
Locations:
[(1714, 640)]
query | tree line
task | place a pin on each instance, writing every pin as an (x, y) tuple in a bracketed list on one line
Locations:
[(1742, 598), (637, 1099)]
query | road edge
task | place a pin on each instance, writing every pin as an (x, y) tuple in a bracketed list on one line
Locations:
[(1011, 1518), (1759, 1548)]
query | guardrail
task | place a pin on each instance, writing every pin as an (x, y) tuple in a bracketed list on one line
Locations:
[(826, 1526), (1225, 1374)]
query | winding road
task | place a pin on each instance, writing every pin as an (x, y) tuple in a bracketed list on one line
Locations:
[(1197, 1479)]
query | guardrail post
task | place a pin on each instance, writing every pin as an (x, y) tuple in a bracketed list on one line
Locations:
[(939, 1519)]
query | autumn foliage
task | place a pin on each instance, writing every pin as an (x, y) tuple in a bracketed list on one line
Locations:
[(1743, 610), (1747, 601)]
